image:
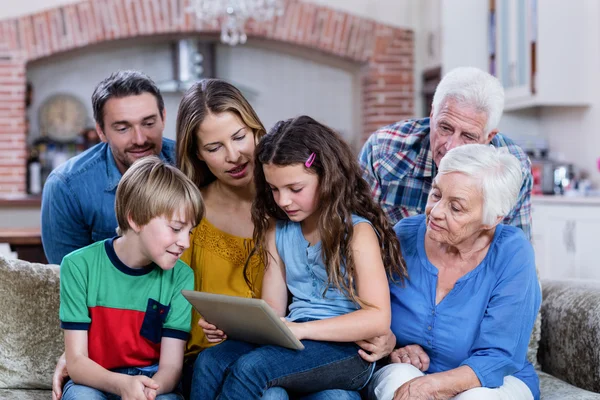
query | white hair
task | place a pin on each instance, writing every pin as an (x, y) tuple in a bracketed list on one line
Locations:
[(474, 88), (498, 172)]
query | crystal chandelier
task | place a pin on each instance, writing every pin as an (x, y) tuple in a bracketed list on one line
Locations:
[(234, 14)]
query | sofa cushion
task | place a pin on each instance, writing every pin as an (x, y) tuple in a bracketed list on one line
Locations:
[(30, 337), (570, 345), (24, 394), (554, 389)]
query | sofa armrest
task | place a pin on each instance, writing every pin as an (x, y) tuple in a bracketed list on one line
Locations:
[(570, 340)]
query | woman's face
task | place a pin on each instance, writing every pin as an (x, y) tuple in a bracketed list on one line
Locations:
[(454, 209), (227, 145)]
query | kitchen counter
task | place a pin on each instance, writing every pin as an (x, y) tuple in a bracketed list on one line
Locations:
[(566, 200)]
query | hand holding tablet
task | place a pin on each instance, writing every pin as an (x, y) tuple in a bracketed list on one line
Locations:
[(250, 320)]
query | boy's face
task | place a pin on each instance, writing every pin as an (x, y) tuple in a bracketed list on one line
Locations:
[(164, 239)]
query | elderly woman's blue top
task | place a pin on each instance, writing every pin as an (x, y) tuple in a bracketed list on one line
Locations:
[(484, 322)]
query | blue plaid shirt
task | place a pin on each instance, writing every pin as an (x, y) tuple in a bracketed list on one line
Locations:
[(398, 165)]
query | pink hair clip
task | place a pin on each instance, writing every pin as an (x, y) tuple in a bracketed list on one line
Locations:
[(310, 160)]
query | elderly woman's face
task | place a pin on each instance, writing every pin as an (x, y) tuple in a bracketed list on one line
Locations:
[(454, 209)]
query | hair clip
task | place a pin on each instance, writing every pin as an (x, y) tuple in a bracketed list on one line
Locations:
[(310, 160)]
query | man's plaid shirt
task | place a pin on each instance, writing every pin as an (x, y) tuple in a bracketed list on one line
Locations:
[(398, 165)]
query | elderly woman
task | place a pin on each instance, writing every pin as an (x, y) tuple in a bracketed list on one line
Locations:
[(463, 319)]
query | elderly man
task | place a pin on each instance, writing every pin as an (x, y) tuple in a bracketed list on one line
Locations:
[(78, 202), (401, 160)]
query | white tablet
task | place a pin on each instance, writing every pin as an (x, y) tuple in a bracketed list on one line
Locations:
[(250, 320)]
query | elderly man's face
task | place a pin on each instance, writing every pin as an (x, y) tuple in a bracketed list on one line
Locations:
[(456, 124), (455, 209)]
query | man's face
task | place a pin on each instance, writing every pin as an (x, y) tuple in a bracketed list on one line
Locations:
[(456, 124), (133, 128)]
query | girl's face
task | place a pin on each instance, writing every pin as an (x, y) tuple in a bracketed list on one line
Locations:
[(295, 190), (227, 145)]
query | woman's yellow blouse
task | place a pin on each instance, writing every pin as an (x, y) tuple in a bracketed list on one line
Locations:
[(218, 259)]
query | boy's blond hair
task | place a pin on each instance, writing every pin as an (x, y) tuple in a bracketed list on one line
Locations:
[(151, 188)]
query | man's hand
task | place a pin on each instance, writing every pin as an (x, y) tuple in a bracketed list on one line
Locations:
[(411, 354), (212, 333), (60, 377), (376, 348), (134, 387), (421, 388)]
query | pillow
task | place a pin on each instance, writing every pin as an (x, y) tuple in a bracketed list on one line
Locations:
[(30, 336)]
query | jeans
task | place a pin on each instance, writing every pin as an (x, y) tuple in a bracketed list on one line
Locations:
[(238, 370), (73, 391)]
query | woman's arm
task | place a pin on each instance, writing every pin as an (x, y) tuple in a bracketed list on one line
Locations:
[(274, 288), (371, 286), (439, 386), (170, 364), (86, 372)]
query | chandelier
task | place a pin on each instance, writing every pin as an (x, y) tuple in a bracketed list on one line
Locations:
[(234, 14)]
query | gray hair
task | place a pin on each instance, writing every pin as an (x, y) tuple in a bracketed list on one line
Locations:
[(498, 172), (475, 88)]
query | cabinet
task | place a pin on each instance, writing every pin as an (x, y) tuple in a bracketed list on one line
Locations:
[(540, 50), (565, 236)]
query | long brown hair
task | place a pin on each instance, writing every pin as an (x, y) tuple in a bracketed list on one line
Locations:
[(342, 192), (208, 96)]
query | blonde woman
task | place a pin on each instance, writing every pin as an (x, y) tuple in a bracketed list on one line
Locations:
[(217, 132)]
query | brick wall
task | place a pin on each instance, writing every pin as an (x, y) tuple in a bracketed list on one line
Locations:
[(386, 54)]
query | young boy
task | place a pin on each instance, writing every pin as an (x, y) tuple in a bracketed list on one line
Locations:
[(121, 308)]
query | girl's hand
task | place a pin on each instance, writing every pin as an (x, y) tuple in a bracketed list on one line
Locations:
[(295, 327), (411, 354), (421, 388), (211, 332), (134, 387), (378, 347)]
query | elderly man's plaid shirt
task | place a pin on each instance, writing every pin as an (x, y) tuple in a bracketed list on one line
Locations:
[(398, 165)]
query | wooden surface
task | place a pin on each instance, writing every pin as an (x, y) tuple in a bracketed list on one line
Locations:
[(20, 200), (21, 236)]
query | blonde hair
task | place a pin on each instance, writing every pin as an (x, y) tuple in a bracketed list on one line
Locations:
[(204, 97), (151, 188)]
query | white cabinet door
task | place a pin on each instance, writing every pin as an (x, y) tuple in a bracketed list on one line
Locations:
[(566, 240), (587, 234)]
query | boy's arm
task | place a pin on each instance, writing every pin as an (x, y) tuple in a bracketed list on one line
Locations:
[(84, 371), (170, 364)]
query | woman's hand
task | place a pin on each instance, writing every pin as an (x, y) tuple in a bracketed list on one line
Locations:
[(421, 388), (378, 347), (60, 377), (411, 354), (211, 332)]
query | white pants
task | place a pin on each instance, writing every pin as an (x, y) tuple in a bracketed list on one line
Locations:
[(388, 379)]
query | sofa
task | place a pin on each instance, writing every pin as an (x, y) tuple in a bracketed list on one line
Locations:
[(31, 340)]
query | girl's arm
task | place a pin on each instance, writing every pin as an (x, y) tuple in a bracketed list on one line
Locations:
[(170, 364), (371, 286), (84, 371), (274, 288)]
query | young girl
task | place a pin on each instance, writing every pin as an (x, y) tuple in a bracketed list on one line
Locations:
[(317, 229)]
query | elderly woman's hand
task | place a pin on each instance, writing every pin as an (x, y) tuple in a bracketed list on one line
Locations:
[(411, 354), (376, 348), (421, 388)]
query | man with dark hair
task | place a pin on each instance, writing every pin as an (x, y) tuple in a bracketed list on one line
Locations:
[(79, 196)]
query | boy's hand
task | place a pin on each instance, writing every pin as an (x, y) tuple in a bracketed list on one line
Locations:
[(150, 393), (133, 387), (211, 332), (60, 377)]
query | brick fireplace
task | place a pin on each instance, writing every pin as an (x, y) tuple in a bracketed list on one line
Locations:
[(385, 53)]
